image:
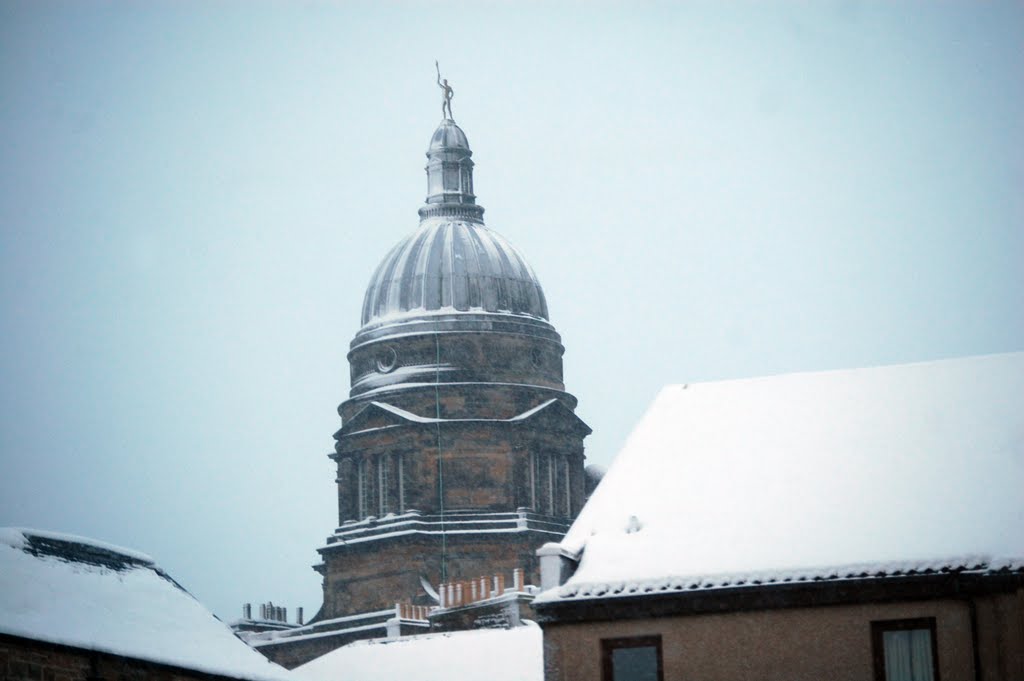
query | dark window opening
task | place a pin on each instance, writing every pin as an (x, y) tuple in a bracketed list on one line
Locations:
[(636, 658), (904, 650)]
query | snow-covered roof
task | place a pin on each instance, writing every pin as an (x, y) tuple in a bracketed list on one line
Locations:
[(86, 594), (481, 655), (878, 471)]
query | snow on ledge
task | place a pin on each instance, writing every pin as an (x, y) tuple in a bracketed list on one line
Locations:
[(21, 537), (978, 564), (480, 655)]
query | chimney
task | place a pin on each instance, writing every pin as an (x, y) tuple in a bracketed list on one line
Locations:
[(298, 616), (263, 611), (247, 611), (555, 567)]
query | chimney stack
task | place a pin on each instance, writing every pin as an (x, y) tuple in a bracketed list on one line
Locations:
[(298, 616), (247, 611)]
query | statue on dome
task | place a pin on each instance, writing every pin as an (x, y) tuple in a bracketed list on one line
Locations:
[(446, 105)]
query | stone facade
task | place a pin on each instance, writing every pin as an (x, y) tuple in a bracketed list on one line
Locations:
[(459, 452)]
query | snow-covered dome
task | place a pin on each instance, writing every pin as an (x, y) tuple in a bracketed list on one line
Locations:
[(455, 266), (448, 136), (452, 267)]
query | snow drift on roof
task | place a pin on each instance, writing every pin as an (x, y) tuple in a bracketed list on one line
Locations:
[(77, 592), (902, 463), (482, 655)]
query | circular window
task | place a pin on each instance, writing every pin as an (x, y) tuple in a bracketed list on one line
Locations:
[(387, 359)]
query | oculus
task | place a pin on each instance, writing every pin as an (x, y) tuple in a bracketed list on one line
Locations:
[(387, 360)]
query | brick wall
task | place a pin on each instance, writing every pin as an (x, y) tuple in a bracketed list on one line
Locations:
[(23, 659)]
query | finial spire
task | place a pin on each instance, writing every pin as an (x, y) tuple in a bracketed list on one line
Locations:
[(446, 103), (450, 175)]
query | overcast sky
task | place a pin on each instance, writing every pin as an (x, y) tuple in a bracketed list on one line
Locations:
[(193, 198)]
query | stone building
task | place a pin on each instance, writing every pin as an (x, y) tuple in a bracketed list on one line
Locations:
[(459, 452), (854, 525)]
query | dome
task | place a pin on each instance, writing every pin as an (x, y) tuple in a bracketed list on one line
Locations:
[(448, 137), (453, 273), (453, 266)]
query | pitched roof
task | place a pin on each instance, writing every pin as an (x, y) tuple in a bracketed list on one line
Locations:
[(873, 470), (78, 592), (485, 655)]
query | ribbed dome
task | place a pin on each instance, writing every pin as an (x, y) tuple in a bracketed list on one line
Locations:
[(454, 266), (448, 137)]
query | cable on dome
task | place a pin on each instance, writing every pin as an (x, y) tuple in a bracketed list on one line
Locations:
[(440, 465)]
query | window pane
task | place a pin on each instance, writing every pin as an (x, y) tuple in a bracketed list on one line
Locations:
[(635, 664), (908, 655), (921, 654)]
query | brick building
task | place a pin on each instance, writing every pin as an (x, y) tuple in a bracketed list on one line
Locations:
[(459, 452), (72, 609), (855, 525)]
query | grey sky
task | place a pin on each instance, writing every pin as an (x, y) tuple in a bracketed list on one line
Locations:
[(193, 197)]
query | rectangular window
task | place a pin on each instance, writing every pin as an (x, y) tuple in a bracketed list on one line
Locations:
[(904, 650), (361, 489), (551, 484), (636, 658), (568, 487), (533, 481), (400, 460), (382, 486)]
